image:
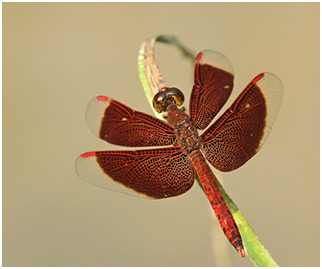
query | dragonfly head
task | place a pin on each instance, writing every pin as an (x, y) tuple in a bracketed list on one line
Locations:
[(166, 97)]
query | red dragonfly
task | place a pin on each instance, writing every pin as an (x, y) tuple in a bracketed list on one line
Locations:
[(165, 172)]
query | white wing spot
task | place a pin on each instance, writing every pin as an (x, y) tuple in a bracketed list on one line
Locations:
[(247, 105), (124, 119), (226, 87)]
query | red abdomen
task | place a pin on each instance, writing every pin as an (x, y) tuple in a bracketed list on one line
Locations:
[(217, 202)]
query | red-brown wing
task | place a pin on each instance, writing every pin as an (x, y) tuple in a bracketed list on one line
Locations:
[(153, 173), (242, 130), (118, 124), (213, 83)]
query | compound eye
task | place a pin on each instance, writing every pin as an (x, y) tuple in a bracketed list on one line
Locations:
[(177, 95), (158, 101), (170, 95)]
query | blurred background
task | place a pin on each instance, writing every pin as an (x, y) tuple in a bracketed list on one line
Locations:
[(58, 56)]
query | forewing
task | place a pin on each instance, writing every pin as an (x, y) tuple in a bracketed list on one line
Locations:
[(118, 124), (213, 83), (153, 173), (242, 130)]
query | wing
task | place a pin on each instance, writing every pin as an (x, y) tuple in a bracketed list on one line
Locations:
[(242, 130), (213, 83), (153, 173), (120, 125)]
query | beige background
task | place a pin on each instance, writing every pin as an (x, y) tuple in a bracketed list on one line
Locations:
[(56, 57)]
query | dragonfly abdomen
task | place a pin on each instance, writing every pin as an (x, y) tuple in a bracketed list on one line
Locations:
[(216, 200)]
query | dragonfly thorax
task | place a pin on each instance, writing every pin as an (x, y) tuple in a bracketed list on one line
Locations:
[(186, 134)]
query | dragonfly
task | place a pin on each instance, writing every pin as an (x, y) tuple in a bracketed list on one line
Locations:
[(180, 153)]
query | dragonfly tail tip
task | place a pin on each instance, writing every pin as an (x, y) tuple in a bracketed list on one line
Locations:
[(241, 252)]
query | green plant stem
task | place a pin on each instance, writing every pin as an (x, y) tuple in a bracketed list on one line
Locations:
[(152, 82)]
